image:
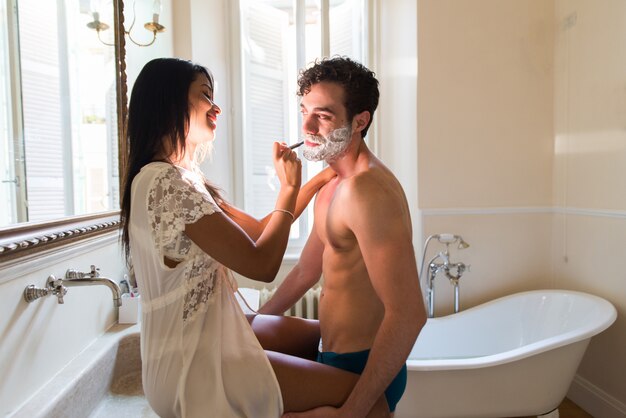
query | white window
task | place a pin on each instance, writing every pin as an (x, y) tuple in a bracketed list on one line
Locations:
[(58, 128), (277, 39)]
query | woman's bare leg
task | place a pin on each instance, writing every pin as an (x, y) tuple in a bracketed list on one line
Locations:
[(289, 335), (307, 384)]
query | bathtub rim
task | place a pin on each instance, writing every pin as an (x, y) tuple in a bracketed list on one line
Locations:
[(560, 340)]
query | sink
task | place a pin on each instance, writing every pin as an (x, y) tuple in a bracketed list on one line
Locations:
[(104, 380), (125, 397)]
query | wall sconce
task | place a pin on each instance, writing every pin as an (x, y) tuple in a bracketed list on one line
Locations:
[(154, 26)]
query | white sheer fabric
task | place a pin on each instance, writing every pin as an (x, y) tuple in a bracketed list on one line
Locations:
[(200, 356)]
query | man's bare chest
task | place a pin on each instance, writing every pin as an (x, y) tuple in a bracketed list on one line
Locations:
[(331, 219)]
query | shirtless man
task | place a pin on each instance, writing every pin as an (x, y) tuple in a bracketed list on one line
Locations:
[(371, 309)]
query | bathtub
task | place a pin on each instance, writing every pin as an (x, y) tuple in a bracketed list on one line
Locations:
[(511, 357)]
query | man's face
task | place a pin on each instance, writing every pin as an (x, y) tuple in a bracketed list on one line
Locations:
[(327, 131)]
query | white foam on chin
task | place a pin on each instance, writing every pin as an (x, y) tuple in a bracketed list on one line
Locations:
[(330, 147)]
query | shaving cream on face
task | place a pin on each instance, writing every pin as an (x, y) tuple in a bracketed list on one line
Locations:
[(330, 147)]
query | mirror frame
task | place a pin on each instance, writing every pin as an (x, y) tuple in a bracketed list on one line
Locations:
[(29, 239)]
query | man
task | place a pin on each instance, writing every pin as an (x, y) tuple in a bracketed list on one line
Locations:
[(371, 309)]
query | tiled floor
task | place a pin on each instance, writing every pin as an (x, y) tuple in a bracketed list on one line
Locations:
[(569, 409)]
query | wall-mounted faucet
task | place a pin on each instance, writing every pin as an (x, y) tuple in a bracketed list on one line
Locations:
[(441, 263), (73, 278)]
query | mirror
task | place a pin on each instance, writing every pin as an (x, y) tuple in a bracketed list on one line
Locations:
[(62, 106)]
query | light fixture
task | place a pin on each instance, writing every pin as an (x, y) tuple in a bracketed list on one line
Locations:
[(154, 26)]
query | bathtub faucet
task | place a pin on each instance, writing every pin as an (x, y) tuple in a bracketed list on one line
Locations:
[(454, 279), (434, 268), (441, 263), (73, 278)]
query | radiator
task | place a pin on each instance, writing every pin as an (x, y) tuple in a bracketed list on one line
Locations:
[(306, 307)]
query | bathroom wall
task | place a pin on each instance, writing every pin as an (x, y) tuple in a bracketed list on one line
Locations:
[(590, 185), (521, 149), (38, 339), (485, 140)]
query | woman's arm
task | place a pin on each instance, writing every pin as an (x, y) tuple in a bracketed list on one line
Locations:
[(225, 241), (254, 227)]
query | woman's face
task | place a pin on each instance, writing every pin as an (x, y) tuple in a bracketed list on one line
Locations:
[(202, 112)]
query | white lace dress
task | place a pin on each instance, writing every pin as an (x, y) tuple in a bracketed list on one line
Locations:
[(200, 356)]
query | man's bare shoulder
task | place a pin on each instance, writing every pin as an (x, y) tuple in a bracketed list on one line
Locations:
[(373, 190)]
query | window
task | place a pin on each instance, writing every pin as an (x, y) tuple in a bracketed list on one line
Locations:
[(58, 127), (278, 38)]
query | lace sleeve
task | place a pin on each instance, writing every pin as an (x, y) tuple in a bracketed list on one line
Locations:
[(175, 200)]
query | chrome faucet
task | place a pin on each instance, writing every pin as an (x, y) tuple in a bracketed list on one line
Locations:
[(76, 278), (73, 278), (454, 279), (434, 268), (441, 263)]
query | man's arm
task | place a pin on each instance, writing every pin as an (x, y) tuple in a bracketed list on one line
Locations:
[(379, 224), (301, 278)]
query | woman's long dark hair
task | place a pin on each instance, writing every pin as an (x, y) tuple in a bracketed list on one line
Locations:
[(158, 121)]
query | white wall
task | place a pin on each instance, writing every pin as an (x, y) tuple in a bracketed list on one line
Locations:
[(395, 123), (589, 184)]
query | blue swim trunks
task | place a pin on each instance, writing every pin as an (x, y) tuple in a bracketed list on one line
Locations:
[(355, 363)]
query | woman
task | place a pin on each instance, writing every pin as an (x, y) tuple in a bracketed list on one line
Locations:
[(200, 355)]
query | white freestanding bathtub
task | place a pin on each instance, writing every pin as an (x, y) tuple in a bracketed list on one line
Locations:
[(511, 357)]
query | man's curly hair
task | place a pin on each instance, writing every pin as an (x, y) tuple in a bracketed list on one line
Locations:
[(359, 84)]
